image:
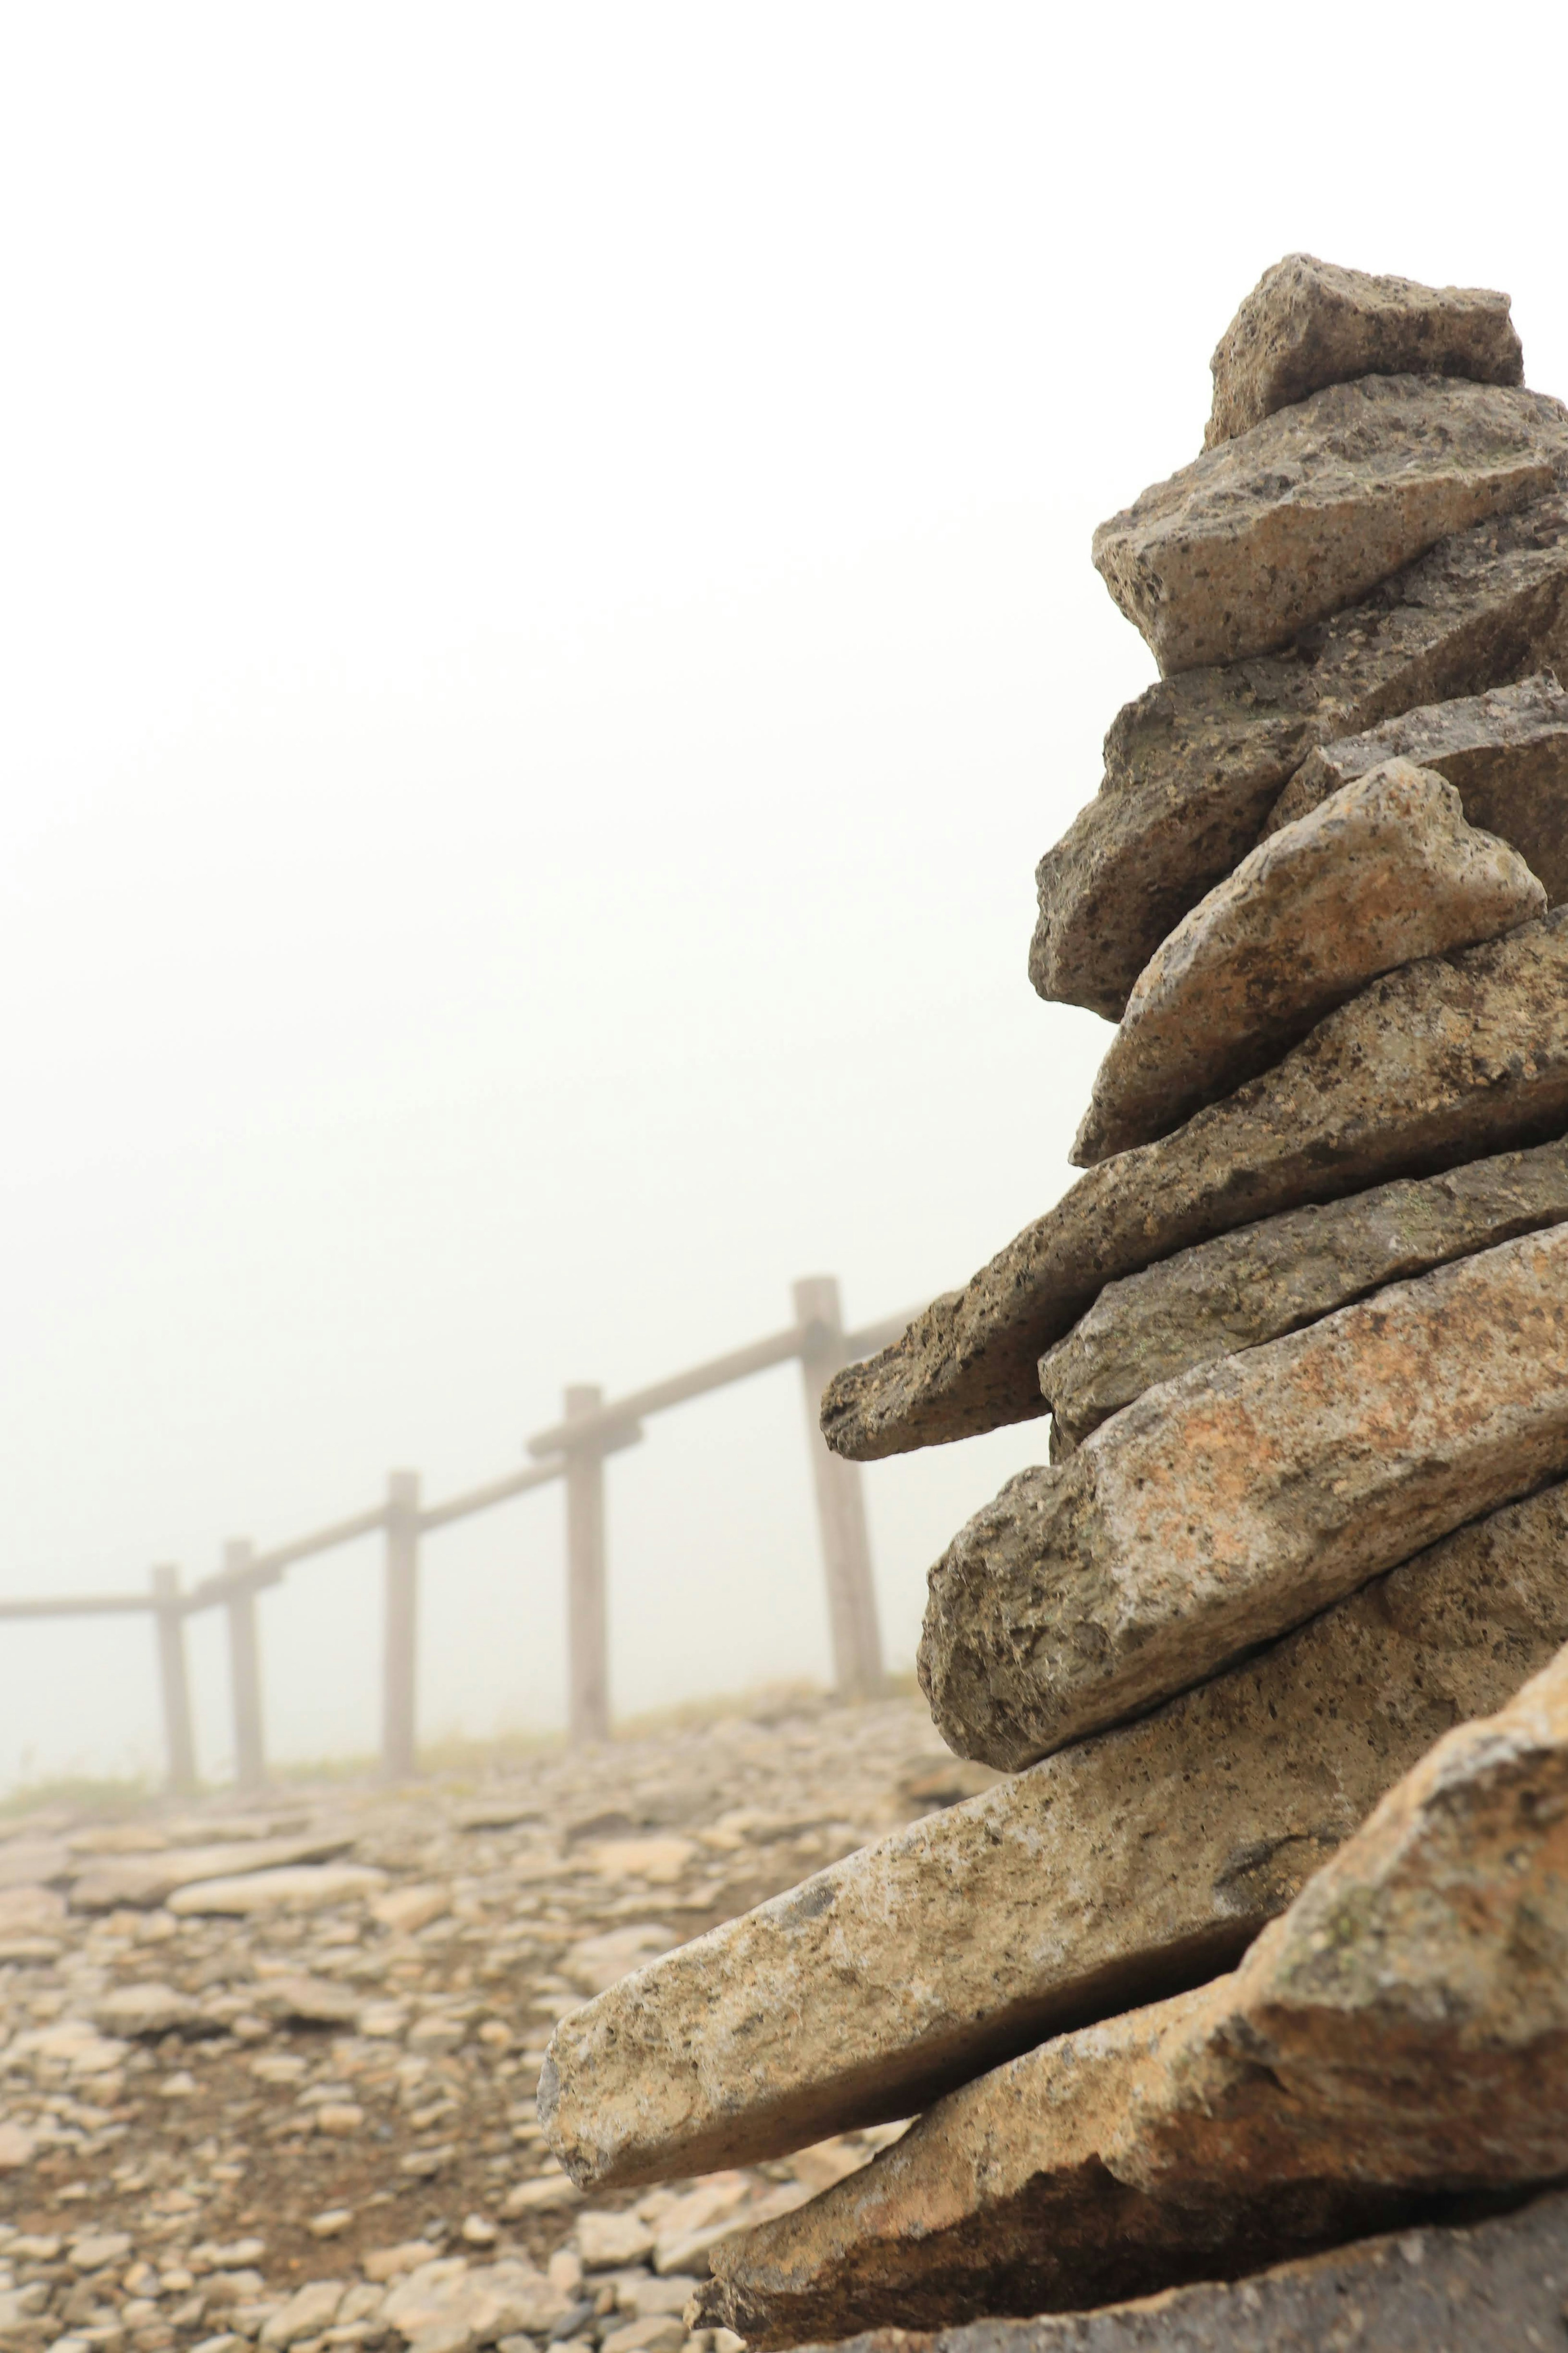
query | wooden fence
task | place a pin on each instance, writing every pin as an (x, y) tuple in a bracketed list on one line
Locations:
[(572, 1450)]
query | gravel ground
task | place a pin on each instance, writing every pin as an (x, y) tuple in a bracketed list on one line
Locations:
[(268, 2073)]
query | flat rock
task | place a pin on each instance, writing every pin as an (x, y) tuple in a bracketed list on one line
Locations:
[(299, 1887), (1384, 870), (147, 2008), (1400, 2034), (1263, 1280), (1308, 323), (1260, 537), (1477, 2290), (1116, 1871), (1194, 765), (142, 1880), (1506, 754), (1432, 1065), (1230, 1503)]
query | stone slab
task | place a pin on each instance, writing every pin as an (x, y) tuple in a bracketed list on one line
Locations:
[(1228, 1504), (1506, 754), (1263, 1280), (1400, 2035), (1260, 537), (1438, 1063), (1308, 323), (1194, 765), (1383, 871), (1480, 2289), (1122, 1869), (142, 1880)]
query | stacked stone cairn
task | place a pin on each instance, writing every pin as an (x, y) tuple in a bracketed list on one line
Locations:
[(1261, 1945)]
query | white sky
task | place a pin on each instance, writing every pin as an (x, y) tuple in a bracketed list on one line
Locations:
[(547, 617)]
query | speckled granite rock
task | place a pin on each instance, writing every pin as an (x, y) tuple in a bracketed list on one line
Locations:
[(1402, 2032), (1384, 870), (1506, 754), (1264, 535), (1194, 765), (1265, 1280), (1117, 1871), (1432, 1065), (1308, 323), (1230, 1503), (1433, 2290)]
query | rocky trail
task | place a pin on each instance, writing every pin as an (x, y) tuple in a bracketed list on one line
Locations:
[(269, 2071)]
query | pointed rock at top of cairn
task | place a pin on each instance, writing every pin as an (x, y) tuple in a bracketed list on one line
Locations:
[(1308, 323)]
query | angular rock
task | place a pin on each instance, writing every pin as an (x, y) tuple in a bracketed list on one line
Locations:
[(1506, 754), (142, 1880), (1308, 323), (1119, 1870), (1472, 2290), (1433, 1065), (1263, 1280), (1382, 871), (1400, 2034), (1194, 765), (1233, 1502), (1230, 1503), (1260, 537)]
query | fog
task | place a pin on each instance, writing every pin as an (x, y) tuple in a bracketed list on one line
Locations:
[(548, 618)]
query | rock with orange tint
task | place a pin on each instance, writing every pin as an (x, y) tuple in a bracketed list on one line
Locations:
[(1384, 870), (1233, 1502), (1399, 2035)]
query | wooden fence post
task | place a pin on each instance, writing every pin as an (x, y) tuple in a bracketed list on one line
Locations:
[(587, 1643), (244, 1671), (398, 1738), (840, 1504), (179, 1747)]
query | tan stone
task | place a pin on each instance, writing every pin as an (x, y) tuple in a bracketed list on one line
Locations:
[(299, 1887), (1260, 537), (1194, 765), (1115, 1871), (1506, 754), (1230, 1503), (1308, 323), (1400, 2032), (1436, 1064), (143, 1880), (1263, 1280), (1382, 871)]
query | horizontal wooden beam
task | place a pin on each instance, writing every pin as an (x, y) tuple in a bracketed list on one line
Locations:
[(82, 1605), (481, 1499)]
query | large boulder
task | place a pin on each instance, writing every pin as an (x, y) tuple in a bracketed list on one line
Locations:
[(1401, 2033), (1260, 537), (1265, 1280), (1116, 1871), (1308, 323), (1382, 871), (1194, 765), (1436, 1064), (1506, 754), (1232, 1502)]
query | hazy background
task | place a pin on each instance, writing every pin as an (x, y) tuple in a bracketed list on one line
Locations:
[(546, 618)]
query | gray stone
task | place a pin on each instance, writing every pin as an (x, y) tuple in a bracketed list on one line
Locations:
[(1400, 2034), (1384, 870), (1260, 537), (142, 1880), (1308, 323), (1432, 1065), (1194, 765), (1230, 1503), (1479, 2289), (1267, 1280), (1506, 754), (1120, 1870)]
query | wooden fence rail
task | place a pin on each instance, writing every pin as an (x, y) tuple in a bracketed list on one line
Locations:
[(573, 1450)]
